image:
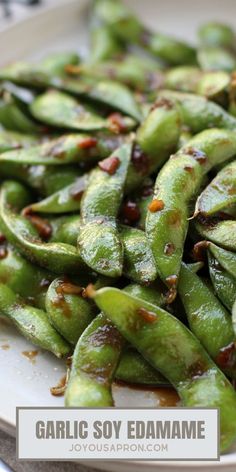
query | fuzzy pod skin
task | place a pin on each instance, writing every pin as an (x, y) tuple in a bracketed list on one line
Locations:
[(213, 85), (95, 359), (24, 278), (222, 233), (223, 282), (139, 263), (166, 228), (56, 62), (198, 113), (10, 140), (67, 149), (157, 138), (67, 310), (103, 45), (123, 24), (99, 241), (13, 118), (65, 200), (220, 193), (32, 323), (234, 317), (184, 138), (62, 111), (185, 363), (133, 369), (142, 73), (227, 259), (216, 58), (167, 220), (208, 319), (216, 34), (113, 94), (143, 205), (27, 74), (159, 133), (19, 231), (99, 354), (155, 293), (65, 229), (48, 180)]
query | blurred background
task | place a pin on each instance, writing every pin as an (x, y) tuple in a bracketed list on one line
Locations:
[(13, 10)]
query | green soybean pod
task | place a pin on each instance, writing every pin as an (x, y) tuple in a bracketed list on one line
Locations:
[(208, 319), (19, 231), (216, 58), (95, 359), (139, 263), (172, 349), (103, 45), (227, 259), (12, 118), (60, 110), (216, 34), (24, 278), (32, 323), (64, 200), (127, 27), (167, 218), (162, 121), (133, 369), (220, 193), (10, 140), (222, 233), (198, 113), (234, 317), (67, 149), (65, 229), (223, 282), (67, 310), (99, 241)]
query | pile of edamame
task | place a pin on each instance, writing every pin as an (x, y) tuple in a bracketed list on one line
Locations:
[(118, 211)]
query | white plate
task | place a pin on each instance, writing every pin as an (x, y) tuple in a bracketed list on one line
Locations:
[(64, 27)]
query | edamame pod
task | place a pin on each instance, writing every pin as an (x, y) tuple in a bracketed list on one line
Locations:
[(19, 231), (227, 259), (184, 363), (65, 200), (62, 111), (167, 218), (139, 263), (99, 241), (32, 323), (95, 359), (219, 232), (223, 282), (67, 149), (10, 140), (216, 58), (24, 278), (208, 319), (133, 368), (198, 113), (216, 34), (67, 310), (127, 28), (220, 193)]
